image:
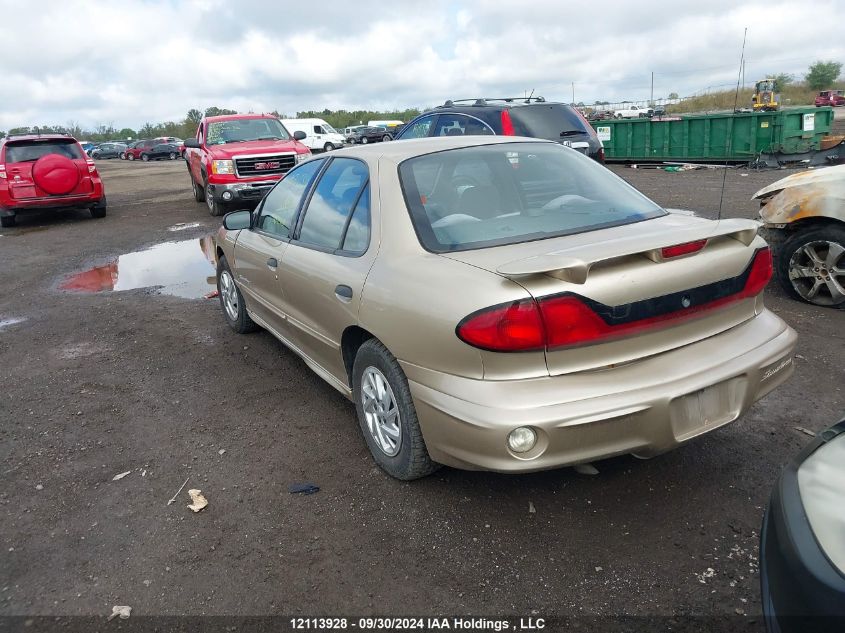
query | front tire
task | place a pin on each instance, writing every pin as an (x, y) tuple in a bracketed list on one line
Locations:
[(385, 138), (130, 157), (145, 157), (199, 192), (364, 140), (172, 155), (215, 208), (328, 147), (232, 301), (810, 266), (386, 414)]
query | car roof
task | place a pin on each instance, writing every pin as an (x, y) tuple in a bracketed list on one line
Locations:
[(401, 150)]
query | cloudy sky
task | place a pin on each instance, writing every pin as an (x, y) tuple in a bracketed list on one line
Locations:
[(127, 63)]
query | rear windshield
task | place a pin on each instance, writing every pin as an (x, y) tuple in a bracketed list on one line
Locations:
[(551, 121), (514, 192), (239, 130), (25, 151)]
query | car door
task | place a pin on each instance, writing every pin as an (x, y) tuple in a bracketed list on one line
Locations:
[(324, 268), (259, 250)]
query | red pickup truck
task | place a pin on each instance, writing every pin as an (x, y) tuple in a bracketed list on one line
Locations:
[(235, 159)]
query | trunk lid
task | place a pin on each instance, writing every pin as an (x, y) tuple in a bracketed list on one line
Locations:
[(622, 275)]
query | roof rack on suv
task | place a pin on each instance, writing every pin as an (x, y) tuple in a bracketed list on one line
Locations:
[(484, 101), (37, 134)]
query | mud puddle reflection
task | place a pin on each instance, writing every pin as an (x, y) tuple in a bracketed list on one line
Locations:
[(182, 269)]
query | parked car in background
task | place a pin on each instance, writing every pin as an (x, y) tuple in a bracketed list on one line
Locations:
[(235, 159), (505, 304), (134, 150), (352, 129), (802, 549), (834, 98), (319, 135), (387, 124), (518, 116), (369, 135), (178, 142), (599, 115), (803, 219), (48, 171), (87, 146), (632, 112), (162, 151), (108, 150)]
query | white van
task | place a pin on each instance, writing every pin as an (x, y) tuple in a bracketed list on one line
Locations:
[(319, 135)]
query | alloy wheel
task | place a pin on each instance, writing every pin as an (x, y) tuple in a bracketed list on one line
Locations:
[(381, 411), (817, 272), (229, 294)]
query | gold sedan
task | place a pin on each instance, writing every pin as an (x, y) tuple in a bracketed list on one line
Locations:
[(504, 304)]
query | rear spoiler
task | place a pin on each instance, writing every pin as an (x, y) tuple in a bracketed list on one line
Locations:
[(573, 264)]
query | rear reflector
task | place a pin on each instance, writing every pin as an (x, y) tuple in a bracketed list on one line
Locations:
[(568, 320), (682, 249)]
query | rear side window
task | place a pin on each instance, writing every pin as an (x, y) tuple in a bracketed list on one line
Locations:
[(509, 193), (26, 151), (460, 125), (358, 233), (550, 121), (332, 202), (418, 129)]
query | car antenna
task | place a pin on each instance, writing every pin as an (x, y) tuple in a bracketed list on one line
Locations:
[(731, 127), (528, 100)]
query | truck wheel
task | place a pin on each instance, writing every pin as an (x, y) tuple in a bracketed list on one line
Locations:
[(387, 415), (810, 266), (199, 192), (99, 209), (328, 147), (214, 207), (7, 221), (385, 138)]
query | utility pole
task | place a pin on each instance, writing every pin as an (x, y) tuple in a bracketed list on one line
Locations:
[(652, 89), (573, 93), (743, 74)]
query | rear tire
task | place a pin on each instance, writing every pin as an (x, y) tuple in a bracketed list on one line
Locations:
[(364, 140), (328, 147), (386, 138), (232, 301), (172, 155), (99, 210), (145, 157), (407, 457), (8, 221), (130, 157), (794, 254)]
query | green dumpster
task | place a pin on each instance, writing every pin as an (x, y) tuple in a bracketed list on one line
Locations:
[(715, 137)]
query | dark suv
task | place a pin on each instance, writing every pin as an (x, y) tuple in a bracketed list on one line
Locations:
[(517, 116)]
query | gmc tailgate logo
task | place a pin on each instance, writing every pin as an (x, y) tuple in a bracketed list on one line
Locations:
[(268, 165)]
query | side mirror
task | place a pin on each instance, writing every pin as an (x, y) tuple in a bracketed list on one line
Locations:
[(299, 135), (237, 220), (191, 142)]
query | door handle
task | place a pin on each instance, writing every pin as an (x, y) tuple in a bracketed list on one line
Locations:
[(272, 263), (344, 293)]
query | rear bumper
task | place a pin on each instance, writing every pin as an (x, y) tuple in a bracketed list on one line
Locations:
[(643, 408), (10, 207)]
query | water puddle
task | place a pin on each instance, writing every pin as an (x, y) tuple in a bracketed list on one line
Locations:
[(182, 269), (4, 323)]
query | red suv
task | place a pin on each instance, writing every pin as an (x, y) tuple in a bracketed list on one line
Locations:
[(830, 98), (140, 149), (39, 172)]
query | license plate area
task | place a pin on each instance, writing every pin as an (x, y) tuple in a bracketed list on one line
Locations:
[(703, 410)]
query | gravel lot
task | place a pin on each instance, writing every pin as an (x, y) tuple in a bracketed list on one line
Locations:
[(94, 385)]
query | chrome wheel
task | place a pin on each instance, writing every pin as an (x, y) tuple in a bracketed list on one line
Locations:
[(381, 411), (209, 199), (817, 272), (229, 295)]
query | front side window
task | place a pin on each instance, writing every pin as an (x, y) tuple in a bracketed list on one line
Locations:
[(332, 203), (278, 211), (417, 129), (509, 193)]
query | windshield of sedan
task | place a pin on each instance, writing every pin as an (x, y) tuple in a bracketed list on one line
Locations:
[(508, 193), (240, 130)]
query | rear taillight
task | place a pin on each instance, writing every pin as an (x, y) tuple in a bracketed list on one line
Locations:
[(761, 273), (507, 124), (568, 320), (2, 171), (510, 327), (682, 249), (91, 166)]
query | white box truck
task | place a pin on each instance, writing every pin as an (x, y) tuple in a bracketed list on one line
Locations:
[(319, 135)]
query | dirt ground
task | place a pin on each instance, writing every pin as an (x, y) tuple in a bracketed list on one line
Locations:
[(94, 385)]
